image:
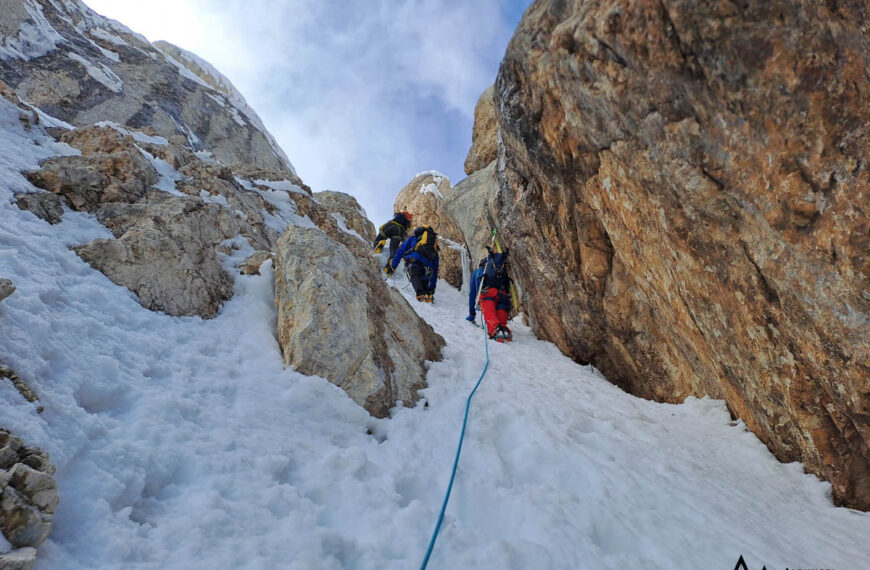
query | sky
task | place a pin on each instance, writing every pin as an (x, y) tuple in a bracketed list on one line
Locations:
[(360, 95)]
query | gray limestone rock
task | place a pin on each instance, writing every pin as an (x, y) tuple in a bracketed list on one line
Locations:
[(6, 288), (22, 523), (166, 254), (44, 205), (467, 205), (19, 559), (342, 322)]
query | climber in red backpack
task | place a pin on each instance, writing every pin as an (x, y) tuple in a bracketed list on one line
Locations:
[(495, 296)]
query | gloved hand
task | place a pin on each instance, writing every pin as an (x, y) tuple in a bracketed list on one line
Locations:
[(470, 318), (388, 269)]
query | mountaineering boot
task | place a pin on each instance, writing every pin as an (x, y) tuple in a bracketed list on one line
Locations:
[(505, 334), (380, 247), (421, 297), (429, 298)]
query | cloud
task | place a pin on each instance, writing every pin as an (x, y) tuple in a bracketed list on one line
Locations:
[(361, 95)]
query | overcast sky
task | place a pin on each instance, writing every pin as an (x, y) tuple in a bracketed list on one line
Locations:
[(360, 94)]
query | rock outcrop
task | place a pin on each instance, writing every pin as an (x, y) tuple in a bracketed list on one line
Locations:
[(28, 499), (344, 323), (6, 288), (26, 391), (347, 212), (82, 68), (692, 178), (167, 226), (424, 198), (484, 137)]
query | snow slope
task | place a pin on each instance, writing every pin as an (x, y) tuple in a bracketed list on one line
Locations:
[(184, 444)]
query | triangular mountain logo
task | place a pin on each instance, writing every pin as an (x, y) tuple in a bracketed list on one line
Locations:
[(741, 565)]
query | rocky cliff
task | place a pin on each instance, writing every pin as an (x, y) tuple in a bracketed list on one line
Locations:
[(691, 177)]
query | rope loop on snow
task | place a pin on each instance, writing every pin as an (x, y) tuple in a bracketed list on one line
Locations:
[(458, 451)]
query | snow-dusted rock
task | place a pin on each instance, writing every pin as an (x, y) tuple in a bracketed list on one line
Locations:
[(18, 559), (168, 222), (353, 216), (23, 389), (252, 263), (44, 205), (6, 288), (86, 182), (339, 320), (424, 198), (21, 522), (484, 137), (28, 493), (37, 486), (82, 68), (166, 253)]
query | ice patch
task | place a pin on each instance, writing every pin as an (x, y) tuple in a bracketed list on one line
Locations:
[(279, 198), (36, 37), (168, 175), (104, 34), (99, 73), (431, 189), (342, 225), (137, 136)]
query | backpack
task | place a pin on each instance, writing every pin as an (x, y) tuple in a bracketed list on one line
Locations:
[(427, 242), (495, 273)]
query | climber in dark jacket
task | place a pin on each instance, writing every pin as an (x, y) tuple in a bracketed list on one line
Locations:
[(495, 296), (420, 254), (394, 230)]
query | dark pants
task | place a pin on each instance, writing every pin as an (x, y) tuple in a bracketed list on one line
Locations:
[(419, 275), (394, 245), (395, 242)]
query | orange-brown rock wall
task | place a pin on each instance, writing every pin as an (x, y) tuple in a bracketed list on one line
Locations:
[(685, 186)]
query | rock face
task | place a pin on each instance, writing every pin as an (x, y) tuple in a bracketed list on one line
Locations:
[(467, 204), (692, 177), (344, 323), (424, 198), (484, 148), (79, 67), (28, 499)]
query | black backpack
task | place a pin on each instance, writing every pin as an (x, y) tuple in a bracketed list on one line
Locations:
[(427, 242), (495, 273)]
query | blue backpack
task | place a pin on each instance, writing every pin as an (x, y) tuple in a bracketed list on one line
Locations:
[(495, 273)]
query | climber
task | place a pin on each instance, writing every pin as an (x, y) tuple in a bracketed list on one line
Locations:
[(394, 230), (420, 253), (495, 297), (473, 290)]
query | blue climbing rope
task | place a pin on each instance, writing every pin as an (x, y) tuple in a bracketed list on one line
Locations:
[(456, 460)]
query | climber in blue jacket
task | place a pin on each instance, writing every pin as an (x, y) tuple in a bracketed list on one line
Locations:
[(472, 293), (420, 253)]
